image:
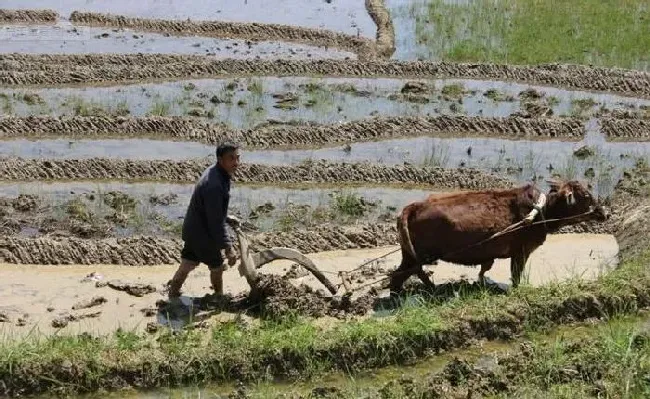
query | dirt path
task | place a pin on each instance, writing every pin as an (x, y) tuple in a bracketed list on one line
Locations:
[(32, 290)]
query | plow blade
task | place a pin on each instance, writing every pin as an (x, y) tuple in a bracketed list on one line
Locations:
[(263, 257)]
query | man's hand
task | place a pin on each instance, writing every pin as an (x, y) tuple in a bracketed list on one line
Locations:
[(231, 256), (233, 221)]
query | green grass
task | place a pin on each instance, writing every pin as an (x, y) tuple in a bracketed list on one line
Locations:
[(613, 33), (293, 346), (159, 108)]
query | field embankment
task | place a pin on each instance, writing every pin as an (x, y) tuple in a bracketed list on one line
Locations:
[(50, 70), (321, 172), (293, 135), (626, 129), (28, 16)]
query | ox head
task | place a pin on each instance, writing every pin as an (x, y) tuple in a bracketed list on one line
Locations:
[(571, 198)]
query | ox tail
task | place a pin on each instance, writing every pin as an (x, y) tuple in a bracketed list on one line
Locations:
[(404, 235)]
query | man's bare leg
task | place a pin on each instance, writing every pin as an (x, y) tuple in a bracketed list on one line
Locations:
[(180, 276), (216, 278)]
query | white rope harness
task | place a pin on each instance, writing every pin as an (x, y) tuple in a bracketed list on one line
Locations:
[(537, 208)]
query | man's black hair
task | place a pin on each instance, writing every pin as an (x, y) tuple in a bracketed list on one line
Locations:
[(225, 148)]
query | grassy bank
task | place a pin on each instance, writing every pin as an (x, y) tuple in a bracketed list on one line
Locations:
[(294, 347), (604, 33), (607, 360)]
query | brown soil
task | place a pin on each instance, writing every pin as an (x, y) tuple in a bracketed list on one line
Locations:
[(50, 69), (626, 129), (28, 16), (363, 47), (188, 171), (293, 135)]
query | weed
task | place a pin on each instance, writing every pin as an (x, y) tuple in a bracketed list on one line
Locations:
[(122, 108), (77, 209), (438, 156), (552, 101), (7, 106), (581, 105), (454, 90), (159, 108), (81, 107), (350, 204), (32, 99), (256, 87), (568, 170)]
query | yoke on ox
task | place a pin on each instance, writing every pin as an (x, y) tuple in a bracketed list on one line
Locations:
[(464, 227)]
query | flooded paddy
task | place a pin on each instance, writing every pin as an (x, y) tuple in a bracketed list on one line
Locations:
[(265, 206), (592, 159), (65, 38), (244, 103), (348, 17), (70, 229)]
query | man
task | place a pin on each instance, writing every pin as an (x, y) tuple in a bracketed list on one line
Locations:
[(204, 228)]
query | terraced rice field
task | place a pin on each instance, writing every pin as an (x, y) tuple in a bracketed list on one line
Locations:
[(346, 112)]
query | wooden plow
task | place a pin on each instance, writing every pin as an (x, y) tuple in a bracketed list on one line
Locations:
[(250, 262)]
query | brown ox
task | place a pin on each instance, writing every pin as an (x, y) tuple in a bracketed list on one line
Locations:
[(448, 226)]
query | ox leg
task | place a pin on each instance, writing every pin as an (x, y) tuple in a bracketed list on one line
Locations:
[(406, 269), (425, 279), (517, 265), (485, 267)]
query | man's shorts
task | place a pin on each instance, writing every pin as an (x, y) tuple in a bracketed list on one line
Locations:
[(212, 258)]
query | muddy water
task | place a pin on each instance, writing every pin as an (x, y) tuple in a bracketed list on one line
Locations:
[(346, 16), (27, 289), (244, 199), (243, 103), (65, 38)]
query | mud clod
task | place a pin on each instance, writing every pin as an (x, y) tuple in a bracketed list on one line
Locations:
[(164, 199), (135, 289), (584, 152), (89, 303), (63, 320)]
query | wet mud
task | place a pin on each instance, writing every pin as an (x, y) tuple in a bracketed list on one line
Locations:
[(625, 129), (232, 30), (28, 16), (273, 136), (315, 172), (25, 69)]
